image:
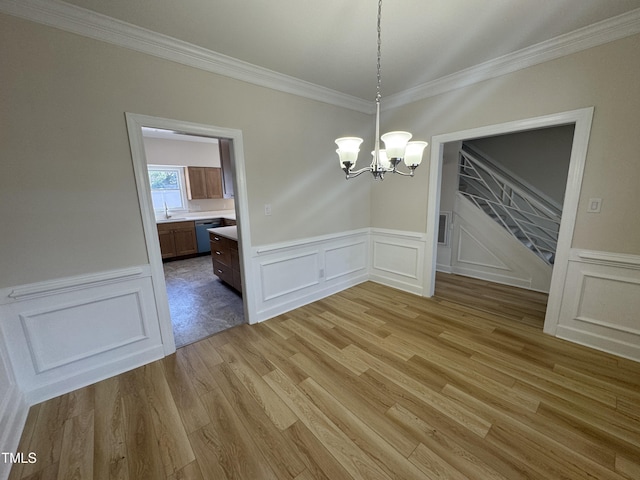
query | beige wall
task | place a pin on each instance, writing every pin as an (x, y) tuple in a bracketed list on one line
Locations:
[(68, 200), (605, 77)]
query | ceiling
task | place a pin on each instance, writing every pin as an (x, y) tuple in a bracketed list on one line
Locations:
[(332, 43)]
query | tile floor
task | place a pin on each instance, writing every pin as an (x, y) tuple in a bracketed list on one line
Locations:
[(200, 303)]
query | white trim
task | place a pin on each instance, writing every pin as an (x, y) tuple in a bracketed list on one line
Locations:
[(599, 33), (582, 119), (307, 241), (90, 24), (606, 258), (135, 122), (61, 285)]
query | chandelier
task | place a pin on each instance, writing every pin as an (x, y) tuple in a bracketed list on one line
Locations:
[(397, 145)]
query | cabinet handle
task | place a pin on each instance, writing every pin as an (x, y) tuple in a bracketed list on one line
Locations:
[(218, 253), (219, 271), (216, 239)]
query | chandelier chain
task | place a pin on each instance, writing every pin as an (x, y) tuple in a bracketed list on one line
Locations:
[(378, 93), (397, 145)]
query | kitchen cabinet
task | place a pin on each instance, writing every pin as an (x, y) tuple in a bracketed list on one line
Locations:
[(177, 239), (227, 169), (204, 182), (225, 259)]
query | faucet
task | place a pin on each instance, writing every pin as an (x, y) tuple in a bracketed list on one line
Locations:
[(166, 211)]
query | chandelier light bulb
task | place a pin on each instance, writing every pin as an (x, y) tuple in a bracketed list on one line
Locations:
[(395, 143), (413, 153), (348, 148)]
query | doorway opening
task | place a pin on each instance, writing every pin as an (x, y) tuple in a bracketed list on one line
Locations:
[(581, 119), (191, 182), (184, 283)]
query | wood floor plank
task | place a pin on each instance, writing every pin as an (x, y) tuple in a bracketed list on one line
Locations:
[(369, 383), (448, 451), (46, 440), (188, 472), (272, 404), (76, 453), (143, 453), (169, 430), (229, 443), (356, 462), (349, 393), (268, 438), (177, 373), (199, 359), (352, 363), (392, 462), (457, 413), (110, 450), (321, 465)]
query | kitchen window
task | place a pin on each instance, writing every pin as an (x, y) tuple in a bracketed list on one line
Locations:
[(167, 188)]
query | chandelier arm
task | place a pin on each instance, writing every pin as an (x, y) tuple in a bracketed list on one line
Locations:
[(404, 174), (359, 172)]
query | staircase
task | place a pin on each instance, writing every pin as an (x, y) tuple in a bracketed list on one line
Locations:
[(528, 215)]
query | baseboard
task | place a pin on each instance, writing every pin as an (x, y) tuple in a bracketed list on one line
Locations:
[(12, 418), (300, 301), (618, 348), (93, 375)]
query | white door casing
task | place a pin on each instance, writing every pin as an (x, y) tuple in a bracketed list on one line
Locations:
[(582, 119), (135, 122)]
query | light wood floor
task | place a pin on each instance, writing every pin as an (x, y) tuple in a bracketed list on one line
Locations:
[(370, 383)]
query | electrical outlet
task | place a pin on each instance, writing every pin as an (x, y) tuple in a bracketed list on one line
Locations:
[(595, 204), (267, 209)]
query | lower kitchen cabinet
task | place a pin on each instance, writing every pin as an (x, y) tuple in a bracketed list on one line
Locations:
[(177, 239), (226, 260)]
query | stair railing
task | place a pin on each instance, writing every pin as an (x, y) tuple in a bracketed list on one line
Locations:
[(527, 216)]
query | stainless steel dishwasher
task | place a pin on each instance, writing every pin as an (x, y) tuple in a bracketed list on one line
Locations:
[(202, 236)]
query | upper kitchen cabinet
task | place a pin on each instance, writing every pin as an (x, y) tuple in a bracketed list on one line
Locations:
[(227, 171), (204, 182)]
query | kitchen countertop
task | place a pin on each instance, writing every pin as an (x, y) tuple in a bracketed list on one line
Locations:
[(194, 216), (228, 232)]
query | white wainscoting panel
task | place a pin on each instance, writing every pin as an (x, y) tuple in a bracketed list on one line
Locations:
[(295, 273), (483, 249), (601, 302), (396, 259), (288, 274), (68, 333)]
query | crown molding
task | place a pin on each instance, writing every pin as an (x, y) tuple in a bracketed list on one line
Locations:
[(90, 24), (101, 27), (599, 33)]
